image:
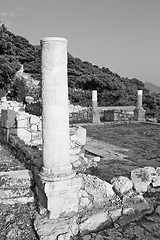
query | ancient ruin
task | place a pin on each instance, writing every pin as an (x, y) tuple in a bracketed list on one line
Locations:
[(95, 113), (70, 202), (139, 112)]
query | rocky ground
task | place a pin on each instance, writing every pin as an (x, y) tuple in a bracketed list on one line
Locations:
[(142, 143), (142, 147), (16, 220)]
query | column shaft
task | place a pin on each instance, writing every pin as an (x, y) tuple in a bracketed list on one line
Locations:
[(56, 148), (95, 113), (139, 99)]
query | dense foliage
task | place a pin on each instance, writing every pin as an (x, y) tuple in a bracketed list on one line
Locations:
[(82, 76)]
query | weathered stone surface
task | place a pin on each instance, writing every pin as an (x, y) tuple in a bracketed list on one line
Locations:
[(96, 159), (16, 179), (115, 214), (136, 232), (51, 229), (20, 200), (157, 210), (84, 199), (81, 136), (95, 222), (98, 189), (142, 178), (122, 185), (113, 234), (34, 119), (65, 195), (15, 193), (156, 178), (152, 227), (24, 134)]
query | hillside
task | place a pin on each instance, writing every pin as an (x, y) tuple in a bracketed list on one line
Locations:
[(152, 87), (82, 75)]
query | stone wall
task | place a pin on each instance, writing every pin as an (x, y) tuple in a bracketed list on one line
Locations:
[(118, 115)]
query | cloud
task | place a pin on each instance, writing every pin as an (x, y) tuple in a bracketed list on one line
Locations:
[(5, 14), (20, 8)]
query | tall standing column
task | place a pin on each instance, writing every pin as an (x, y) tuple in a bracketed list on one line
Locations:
[(56, 148), (139, 112), (95, 113), (57, 184), (139, 99)]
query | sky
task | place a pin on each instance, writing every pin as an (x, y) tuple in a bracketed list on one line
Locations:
[(122, 35)]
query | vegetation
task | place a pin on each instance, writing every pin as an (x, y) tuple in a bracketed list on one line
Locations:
[(82, 76)]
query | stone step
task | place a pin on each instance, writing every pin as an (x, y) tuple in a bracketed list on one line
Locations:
[(21, 200), (15, 187), (15, 179), (6, 193)]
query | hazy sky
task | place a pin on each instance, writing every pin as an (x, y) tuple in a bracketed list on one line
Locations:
[(123, 35)]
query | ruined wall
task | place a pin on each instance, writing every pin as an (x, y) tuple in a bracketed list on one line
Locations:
[(118, 115)]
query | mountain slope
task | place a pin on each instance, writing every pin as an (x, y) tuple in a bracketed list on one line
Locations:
[(152, 87)]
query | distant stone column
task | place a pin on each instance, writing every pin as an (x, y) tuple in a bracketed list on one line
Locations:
[(139, 112), (55, 187), (95, 113), (139, 99)]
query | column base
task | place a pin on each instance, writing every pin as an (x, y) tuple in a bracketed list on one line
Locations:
[(139, 115), (59, 198), (96, 119), (51, 175)]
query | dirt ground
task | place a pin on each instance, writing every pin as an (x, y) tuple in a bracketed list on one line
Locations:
[(142, 142)]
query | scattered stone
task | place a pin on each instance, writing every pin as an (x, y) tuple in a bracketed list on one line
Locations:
[(122, 185), (95, 222), (115, 214), (96, 159), (142, 178), (98, 189), (87, 237), (157, 210), (156, 178)]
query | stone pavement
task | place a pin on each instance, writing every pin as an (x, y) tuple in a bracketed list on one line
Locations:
[(104, 150)]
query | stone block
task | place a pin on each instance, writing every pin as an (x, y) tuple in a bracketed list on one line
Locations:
[(139, 115), (115, 214), (81, 136), (23, 121), (15, 192), (94, 223), (156, 178), (98, 189), (122, 185), (142, 178), (34, 128), (34, 119), (24, 134), (21, 200), (39, 126), (18, 179), (64, 195)]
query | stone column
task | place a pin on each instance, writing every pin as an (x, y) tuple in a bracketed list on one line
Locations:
[(139, 99), (56, 148), (95, 113), (55, 190), (139, 112)]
